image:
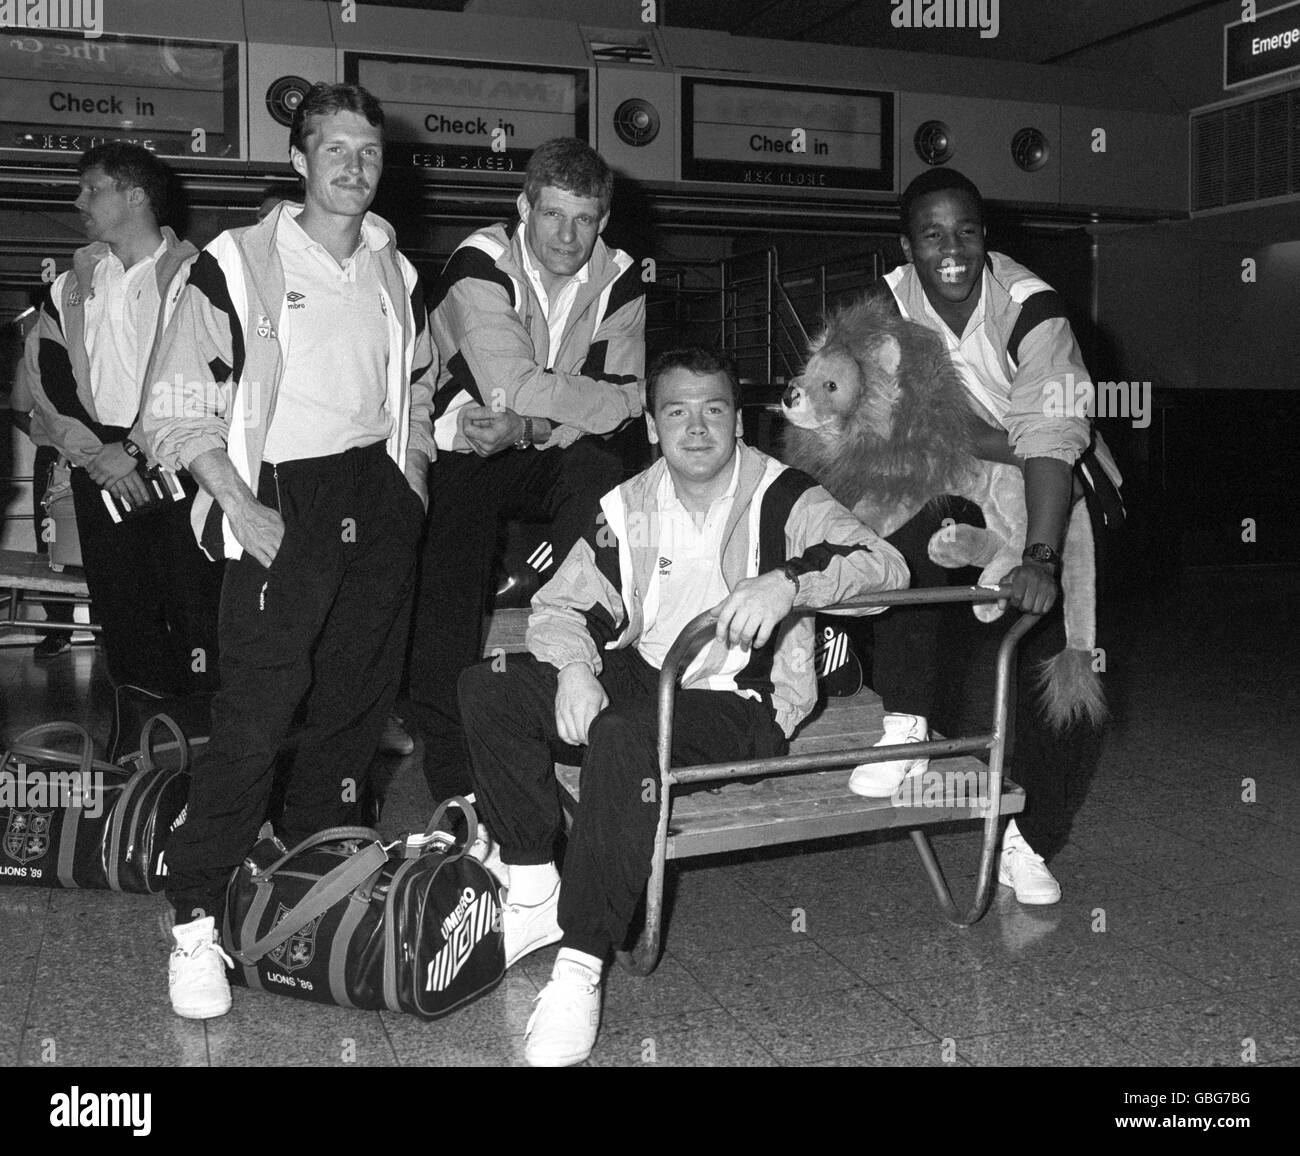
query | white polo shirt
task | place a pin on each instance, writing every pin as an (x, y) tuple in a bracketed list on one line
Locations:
[(120, 314), (688, 572), (557, 312), (333, 393)]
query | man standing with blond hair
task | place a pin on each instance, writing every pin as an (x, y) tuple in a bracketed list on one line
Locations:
[(296, 385)]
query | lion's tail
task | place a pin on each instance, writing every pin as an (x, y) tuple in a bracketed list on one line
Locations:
[(1071, 689)]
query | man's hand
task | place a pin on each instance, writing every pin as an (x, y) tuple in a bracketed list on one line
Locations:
[(1033, 588), (489, 431), (130, 490), (259, 529), (111, 464), (754, 609), (579, 699), (417, 477)]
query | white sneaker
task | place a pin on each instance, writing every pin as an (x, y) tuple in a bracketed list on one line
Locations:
[(880, 780), (529, 929), (1025, 872), (196, 974), (562, 1029)]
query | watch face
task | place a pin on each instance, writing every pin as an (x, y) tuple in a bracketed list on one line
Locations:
[(1039, 552)]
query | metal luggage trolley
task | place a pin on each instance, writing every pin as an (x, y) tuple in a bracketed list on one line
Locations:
[(782, 809)]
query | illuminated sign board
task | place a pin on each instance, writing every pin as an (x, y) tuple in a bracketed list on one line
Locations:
[(456, 116), (66, 93), (1266, 46), (775, 134)]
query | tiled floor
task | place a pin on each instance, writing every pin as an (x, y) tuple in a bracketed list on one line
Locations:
[(1175, 944)]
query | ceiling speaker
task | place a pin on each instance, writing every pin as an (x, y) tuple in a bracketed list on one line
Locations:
[(933, 142), (284, 96), (636, 122), (1029, 149)]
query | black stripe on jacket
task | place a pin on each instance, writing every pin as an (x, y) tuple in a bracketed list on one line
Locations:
[(1042, 306), (469, 261), (603, 543), (773, 517), (207, 278)]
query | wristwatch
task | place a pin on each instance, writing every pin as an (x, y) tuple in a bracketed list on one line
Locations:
[(134, 450), (792, 573), (525, 438), (1043, 554)]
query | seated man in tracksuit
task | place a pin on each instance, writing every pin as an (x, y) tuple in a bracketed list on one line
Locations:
[(714, 523), (541, 332), (1010, 340)]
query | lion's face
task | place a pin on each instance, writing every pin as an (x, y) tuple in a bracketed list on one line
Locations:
[(836, 386), (825, 394)]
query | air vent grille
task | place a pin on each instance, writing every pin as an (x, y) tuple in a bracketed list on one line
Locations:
[(1246, 152)]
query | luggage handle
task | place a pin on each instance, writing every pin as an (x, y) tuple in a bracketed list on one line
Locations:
[(471, 830), (328, 890), (329, 835), (168, 724), (28, 745)]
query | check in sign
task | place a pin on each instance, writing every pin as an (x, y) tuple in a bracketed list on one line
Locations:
[(1266, 46)]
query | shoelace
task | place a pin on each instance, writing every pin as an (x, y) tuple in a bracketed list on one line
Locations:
[(201, 946), (571, 1000)]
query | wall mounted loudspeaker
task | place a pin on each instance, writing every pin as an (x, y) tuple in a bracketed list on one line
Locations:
[(1029, 149), (933, 141), (636, 121), (284, 96)]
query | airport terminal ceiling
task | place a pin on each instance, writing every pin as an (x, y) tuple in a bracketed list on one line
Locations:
[(699, 87)]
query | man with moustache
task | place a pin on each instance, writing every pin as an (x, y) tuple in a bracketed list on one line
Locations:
[(714, 523), (295, 383)]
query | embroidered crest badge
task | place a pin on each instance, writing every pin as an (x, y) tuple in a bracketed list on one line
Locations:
[(27, 835), (299, 949)]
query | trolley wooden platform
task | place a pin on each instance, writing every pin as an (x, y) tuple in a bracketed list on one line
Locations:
[(804, 795)]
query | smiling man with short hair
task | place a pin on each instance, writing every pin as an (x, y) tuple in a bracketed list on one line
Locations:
[(714, 523), (1009, 338)]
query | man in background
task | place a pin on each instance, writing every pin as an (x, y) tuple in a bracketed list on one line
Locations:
[(85, 369)]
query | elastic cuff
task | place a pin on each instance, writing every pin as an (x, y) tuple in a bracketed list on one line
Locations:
[(527, 857), (596, 945)]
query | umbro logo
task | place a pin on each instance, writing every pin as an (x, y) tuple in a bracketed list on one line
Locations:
[(665, 564), (295, 299)]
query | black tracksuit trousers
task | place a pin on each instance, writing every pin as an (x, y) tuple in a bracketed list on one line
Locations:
[(154, 591), (469, 496), (940, 662), (513, 743), (327, 622)]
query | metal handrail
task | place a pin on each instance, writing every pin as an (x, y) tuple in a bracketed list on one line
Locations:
[(697, 633)]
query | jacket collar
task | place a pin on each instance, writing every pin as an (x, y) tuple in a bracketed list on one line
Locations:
[(177, 252), (258, 241), (642, 491)]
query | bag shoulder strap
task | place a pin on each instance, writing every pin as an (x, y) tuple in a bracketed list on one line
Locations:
[(325, 892)]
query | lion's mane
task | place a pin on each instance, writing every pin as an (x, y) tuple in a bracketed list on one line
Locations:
[(929, 450)]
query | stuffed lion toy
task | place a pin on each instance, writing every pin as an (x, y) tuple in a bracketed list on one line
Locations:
[(880, 418)]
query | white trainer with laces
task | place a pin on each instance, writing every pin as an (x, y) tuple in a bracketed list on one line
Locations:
[(1024, 871), (562, 1029), (880, 780), (529, 929), (196, 974)]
